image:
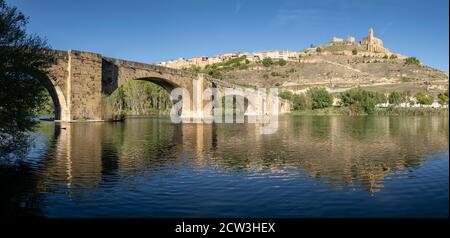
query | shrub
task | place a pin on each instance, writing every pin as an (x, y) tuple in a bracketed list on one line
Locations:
[(275, 74), (424, 99), (354, 51), (318, 50), (320, 98), (243, 66), (393, 56), (282, 62), (443, 98), (215, 73), (194, 69), (412, 60), (267, 62), (406, 80)]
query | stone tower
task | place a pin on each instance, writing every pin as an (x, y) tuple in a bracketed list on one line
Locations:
[(370, 34), (372, 44)]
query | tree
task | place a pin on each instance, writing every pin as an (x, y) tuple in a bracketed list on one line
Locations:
[(396, 98), (301, 102), (360, 100), (286, 95), (267, 62), (24, 58), (424, 99), (320, 98)]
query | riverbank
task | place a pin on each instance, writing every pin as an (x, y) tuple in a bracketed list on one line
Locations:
[(334, 111)]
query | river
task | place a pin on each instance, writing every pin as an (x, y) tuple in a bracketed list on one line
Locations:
[(324, 166)]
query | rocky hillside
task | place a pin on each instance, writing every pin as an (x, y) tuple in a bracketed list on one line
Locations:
[(340, 67)]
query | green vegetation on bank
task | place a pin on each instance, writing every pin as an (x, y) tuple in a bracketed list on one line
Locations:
[(398, 111), (317, 101), (443, 98), (315, 98), (424, 99), (358, 101), (137, 98)]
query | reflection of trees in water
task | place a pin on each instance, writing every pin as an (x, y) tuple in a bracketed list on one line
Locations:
[(355, 152), (19, 185), (346, 151), (19, 195)]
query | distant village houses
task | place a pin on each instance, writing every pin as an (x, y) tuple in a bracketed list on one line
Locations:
[(202, 61), (370, 44)]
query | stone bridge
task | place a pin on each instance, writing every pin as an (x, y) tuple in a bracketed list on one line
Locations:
[(78, 81)]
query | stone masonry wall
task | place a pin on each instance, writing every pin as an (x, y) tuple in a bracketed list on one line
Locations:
[(84, 85)]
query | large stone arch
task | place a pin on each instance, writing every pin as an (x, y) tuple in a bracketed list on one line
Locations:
[(56, 93), (59, 101)]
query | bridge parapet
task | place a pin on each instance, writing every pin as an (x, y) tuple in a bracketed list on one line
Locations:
[(151, 67)]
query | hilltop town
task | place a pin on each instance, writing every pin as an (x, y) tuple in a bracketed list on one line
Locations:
[(337, 65), (369, 46)]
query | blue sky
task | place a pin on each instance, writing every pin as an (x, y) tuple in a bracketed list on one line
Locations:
[(149, 31)]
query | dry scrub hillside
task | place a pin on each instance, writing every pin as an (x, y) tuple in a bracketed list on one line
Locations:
[(342, 67)]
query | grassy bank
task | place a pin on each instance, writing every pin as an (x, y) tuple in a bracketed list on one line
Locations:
[(333, 111), (411, 112)]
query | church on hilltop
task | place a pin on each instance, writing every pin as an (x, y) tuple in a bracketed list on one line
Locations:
[(372, 44), (369, 43)]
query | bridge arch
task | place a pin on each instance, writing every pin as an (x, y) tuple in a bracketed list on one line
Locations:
[(56, 95), (164, 83), (248, 98)]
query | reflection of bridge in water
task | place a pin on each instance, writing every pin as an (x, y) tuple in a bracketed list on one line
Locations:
[(351, 152)]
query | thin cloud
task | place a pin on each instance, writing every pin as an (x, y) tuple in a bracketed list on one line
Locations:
[(238, 6), (284, 16), (311, 12), (386, 28)]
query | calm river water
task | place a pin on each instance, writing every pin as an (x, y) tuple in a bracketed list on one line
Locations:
[(323, 166)]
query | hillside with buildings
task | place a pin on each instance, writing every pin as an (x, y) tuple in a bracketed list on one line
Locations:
[(338, 65)]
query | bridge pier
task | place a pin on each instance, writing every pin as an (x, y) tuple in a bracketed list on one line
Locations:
[(193, 108)]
